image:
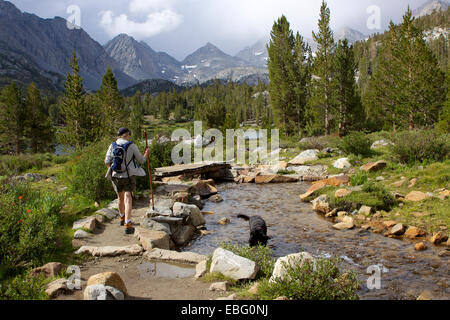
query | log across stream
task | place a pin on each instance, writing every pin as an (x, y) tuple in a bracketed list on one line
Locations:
[(294, 227)]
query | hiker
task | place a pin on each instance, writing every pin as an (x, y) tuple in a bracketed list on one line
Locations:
[(122, 171)]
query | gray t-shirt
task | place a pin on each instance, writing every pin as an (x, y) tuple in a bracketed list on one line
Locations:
[(133, 169)]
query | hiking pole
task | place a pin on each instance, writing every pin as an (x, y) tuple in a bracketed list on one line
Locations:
[(149, 171)]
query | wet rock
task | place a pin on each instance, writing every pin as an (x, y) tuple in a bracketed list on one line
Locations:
[(312, 190), (346, 224), (414, 232), (232, 265), (219, 286), (292, 260), (332, 213), (151, 239), (416, 196), (304, 157), (341, 193), (182, 235), (216, 198), (397, 230), (88, 223), (174, 256), (321, 204), (374, 166), (275, 179), (223, 221), (111, 279), (343, 163), (56, 288), (102, 292), (439, 237), (110, 251), (190, 212), (110, 214), (49, 270), (201, 269), (365, 210), (151, 224), (81, 234), (420, 246)]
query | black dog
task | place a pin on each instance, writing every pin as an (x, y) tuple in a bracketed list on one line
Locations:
[(258, 230)]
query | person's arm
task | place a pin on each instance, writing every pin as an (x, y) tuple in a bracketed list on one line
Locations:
[(109, 157), (138, 155)]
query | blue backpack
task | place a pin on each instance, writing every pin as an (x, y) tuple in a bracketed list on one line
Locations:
[(120, 157)]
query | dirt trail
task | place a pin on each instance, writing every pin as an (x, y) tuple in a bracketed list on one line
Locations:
[(144, 279)]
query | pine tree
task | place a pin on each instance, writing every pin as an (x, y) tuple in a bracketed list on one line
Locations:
[(444, 118), (408, 86), (12, 117), (38, 129), (288, 73), (78, 118), (111, 103), (348, 105), (136, 120), (324, 85)]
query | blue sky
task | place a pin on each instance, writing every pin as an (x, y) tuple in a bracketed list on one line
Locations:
[(179, 27)]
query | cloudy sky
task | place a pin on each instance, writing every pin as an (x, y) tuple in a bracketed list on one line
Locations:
[(179, 27)]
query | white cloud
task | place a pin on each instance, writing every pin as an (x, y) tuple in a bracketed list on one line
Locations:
[(159, 17)]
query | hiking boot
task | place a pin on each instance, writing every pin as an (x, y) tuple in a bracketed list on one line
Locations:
[(122, 220), (129, 229)]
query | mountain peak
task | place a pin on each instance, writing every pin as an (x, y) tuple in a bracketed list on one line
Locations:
[(350, 34), (429, 7)]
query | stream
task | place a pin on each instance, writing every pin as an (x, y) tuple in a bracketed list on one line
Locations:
[(294, 227)]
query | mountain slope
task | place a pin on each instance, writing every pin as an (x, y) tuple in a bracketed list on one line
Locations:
[(350, 34), (49, 44), (429, 7), (140, 61), (256, 54), (151, 86)]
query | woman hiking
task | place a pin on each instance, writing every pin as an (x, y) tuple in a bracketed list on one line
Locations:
[(122, 171)]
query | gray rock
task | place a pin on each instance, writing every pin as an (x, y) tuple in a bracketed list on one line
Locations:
[(398, 229), (113, 205), (174, 256), (159, 212), (111, 251), (216, 198), (292, 260), (151, 224), (231, 297), (381, 143), (172, 221), (200, 269), (304, 157), (56, 288), (102, 292), (232, 265), (86, 223), (81, 234), (34, 177), (342, 163), (183, 234), (219, 286), (365, 210), (110, 214), (190, 212)]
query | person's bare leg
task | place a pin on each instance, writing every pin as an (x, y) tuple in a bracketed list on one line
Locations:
[(128, 205), (121, 202)]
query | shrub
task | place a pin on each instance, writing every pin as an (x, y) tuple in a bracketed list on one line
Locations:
[(319, 143), (359, 179), (320, 281), (28, 225), (14, 165), (261, 255), (418, 146), (356, 143), (23, 287)]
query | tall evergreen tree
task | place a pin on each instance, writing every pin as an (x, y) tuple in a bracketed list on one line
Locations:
[(136, 120), (348, 104), (288, 73), (111, 103), (39, 128), (408, 86), (324, 85), (78, 118), (12, 117)]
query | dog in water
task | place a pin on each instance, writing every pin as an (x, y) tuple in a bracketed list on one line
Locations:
[(258, 230)]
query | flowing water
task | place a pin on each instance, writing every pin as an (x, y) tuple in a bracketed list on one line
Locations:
[(294, 227)]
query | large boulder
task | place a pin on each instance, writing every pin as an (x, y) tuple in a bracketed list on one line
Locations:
[(151, 224), (102, 292), (182, 234), (292, 260), (151, 239), (374, 166), (342, 163), (49, 270), (111, 279), (232, 265), (305, 157), (190, 212), (88, 223)]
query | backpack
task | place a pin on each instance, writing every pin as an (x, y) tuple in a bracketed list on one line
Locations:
[(120, 157)]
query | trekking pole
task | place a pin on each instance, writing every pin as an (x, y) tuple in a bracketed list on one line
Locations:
[(149, 171)]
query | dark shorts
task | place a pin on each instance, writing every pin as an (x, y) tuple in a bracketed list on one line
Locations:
[(124, 184)]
